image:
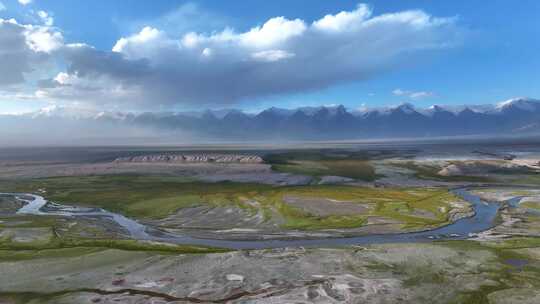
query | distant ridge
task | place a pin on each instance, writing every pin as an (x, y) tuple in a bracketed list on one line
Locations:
[(518, 116)]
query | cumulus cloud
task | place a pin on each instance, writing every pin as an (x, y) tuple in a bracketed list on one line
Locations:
[(25, 2), (413, 94), (274, 32), (344, 21), (46, 18), (155, 67), (23, 48)]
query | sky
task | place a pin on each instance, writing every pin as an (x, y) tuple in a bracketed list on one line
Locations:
[(191, 55)]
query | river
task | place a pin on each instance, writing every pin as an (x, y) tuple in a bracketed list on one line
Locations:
[(483, 219)]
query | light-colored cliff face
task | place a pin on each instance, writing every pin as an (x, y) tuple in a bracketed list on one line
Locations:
[(192, 158)]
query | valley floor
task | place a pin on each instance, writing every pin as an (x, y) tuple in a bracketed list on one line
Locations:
[(292, 195)]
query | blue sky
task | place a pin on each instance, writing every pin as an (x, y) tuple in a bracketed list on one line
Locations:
[(492, 54)]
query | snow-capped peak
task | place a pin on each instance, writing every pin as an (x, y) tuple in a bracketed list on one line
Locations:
[(522, 103), (436, 108), (274, 111), (406, 108), (63, 111)]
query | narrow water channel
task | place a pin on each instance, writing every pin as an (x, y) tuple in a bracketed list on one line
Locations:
[(483, 219)]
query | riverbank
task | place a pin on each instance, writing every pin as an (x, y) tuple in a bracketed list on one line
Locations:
[(483, 219)]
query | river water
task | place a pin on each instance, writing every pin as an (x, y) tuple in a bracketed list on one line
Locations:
[(483, 219)]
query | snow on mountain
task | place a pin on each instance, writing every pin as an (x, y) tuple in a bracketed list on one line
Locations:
[(406, 108), (522, 103), (521, 115), (435, 109), (65, 112), (280, 111)]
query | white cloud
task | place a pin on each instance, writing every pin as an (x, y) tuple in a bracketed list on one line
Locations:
[(420, 95), (24, 49), (63, 78), (274, 32), (2, 7), (281, 56), (412, 94), (155, 67), (43, 39), (344, 21), (46, 18), (25, 2), (399, 92), (146, 36)]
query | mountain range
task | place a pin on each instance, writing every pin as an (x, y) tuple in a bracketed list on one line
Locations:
[(519, 116)]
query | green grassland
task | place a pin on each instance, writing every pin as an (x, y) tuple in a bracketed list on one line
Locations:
[(398, 204), (134, 195), (531, 205), (52, 244), (528, 179), (151, 197), (353, 165), (32, 236)]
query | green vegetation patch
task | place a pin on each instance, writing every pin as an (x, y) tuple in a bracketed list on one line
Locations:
[(399, 204), (353, 165), (530, 205), (514, 243), (27, 221), (134, 195), (57, 243), (10, 255), (144, 197), (527, 179), (502, 272)]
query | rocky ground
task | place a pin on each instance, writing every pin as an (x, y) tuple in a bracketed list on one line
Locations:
[(391, 273), (191, 158)]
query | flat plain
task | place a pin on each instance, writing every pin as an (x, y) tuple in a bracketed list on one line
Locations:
[(74, 251)]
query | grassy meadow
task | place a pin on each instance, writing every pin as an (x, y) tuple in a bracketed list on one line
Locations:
[(153, 197)]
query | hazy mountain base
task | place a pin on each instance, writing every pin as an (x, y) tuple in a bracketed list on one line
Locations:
[(516, 117)]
